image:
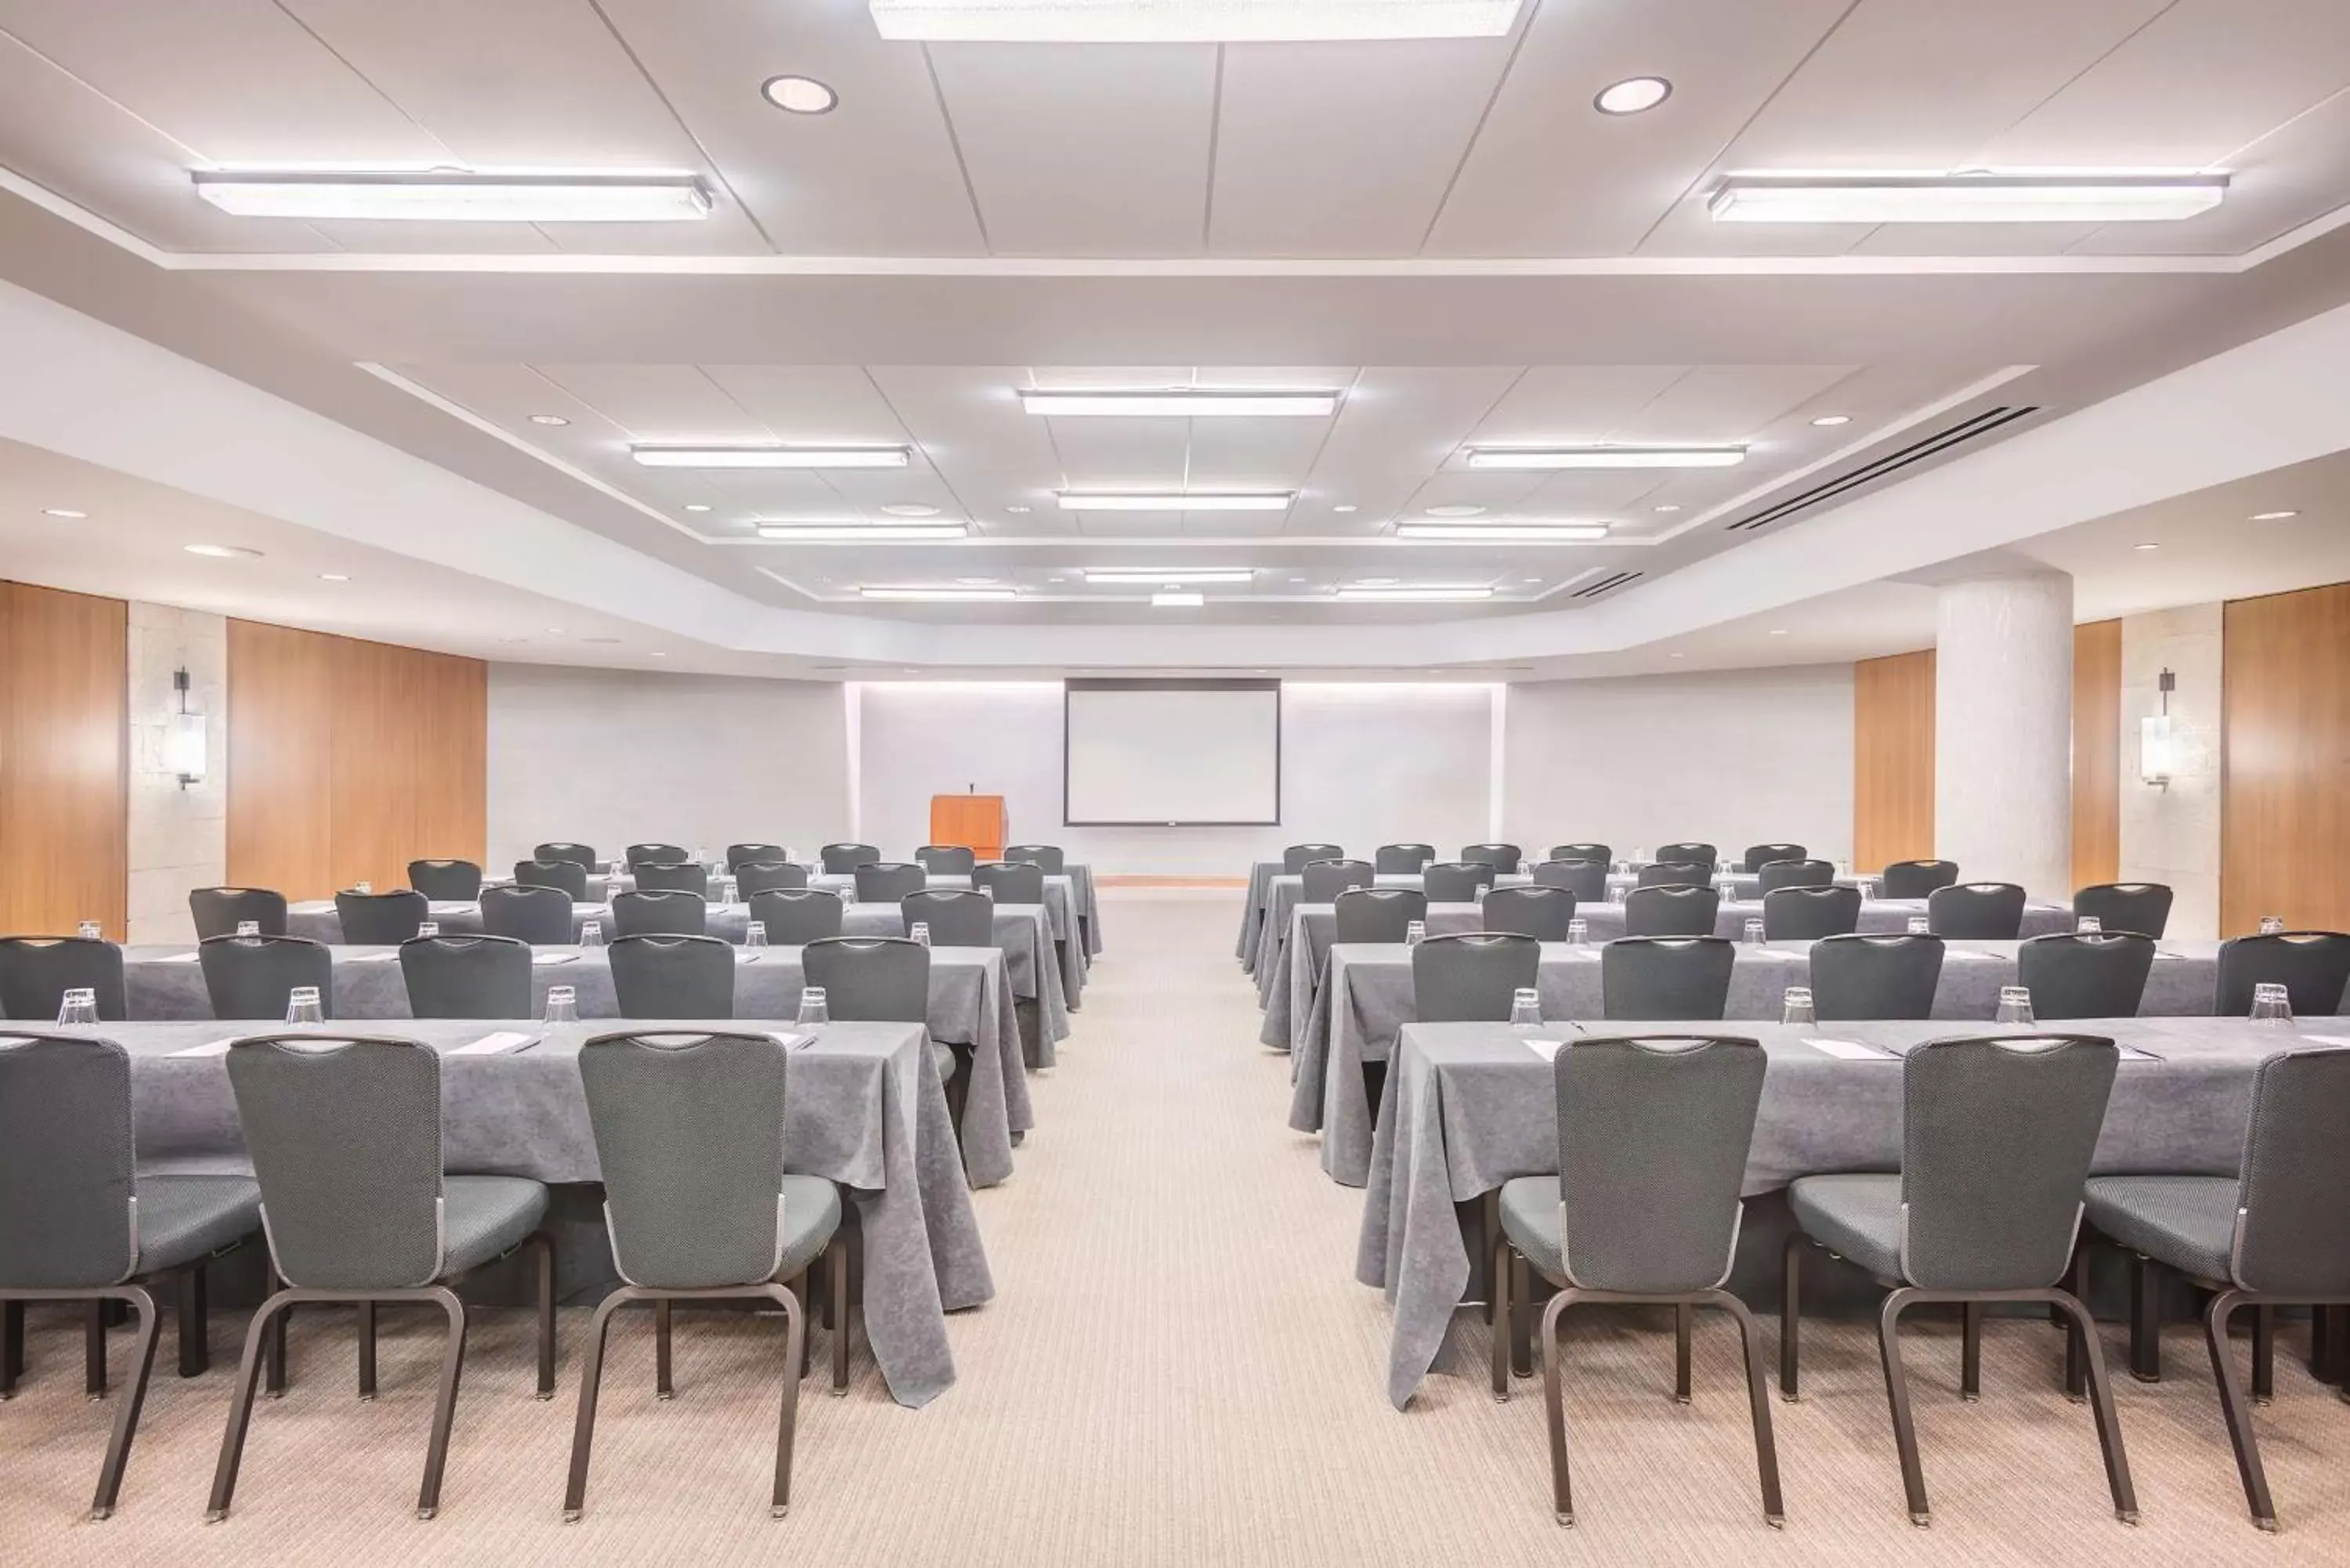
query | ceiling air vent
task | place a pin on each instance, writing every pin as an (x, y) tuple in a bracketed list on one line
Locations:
[(1967, 430), (1606, 585)]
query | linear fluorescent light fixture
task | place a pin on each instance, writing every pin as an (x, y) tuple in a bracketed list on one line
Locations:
[(1606, 457), (1182, 404), (770, 456), (1178, 599), (1177, 500), (445, 195), (1142, 577), (1964, 198), (1415, 596), (860, 532), (1504, 532), (939, 596), (1188, 21)]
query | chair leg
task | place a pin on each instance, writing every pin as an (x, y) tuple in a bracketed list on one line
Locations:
[(1970, 1318), (544, 1245), (1896, 1395), (93, 1340), (1561, 1486), (276, 1381), (191, 1314), (2146, 1321), (2232, 1405), (2075, 1350), (836, 1280), (2263, 1355), (445, 1412), (663, 1388), (787, 1422), (1501, 1318), (12, 1347), (1790, 1316), (126, 1417), (240, 1411), (2329, 1345), (1522, 1317), (367, 1350), (1682, 1314), (800, 1293), (2101, 1402), (1766, 1448), (591, 1379)]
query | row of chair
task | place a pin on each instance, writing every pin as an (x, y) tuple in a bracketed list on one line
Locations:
[(1986, 1210), (834, 859), (1410, 860)]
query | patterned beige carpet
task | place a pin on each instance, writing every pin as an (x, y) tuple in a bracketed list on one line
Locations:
[(1180, 1369)]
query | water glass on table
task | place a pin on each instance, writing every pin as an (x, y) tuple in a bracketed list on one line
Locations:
[(1754, 933), (2272, 1004), (90, 931), (591, 934), (1796, 1006), (1578, 932), (813, 1007), (2272, 926), (1414, 932), (921, 932), (1525, 1008), (2088, 926), (302, 1006), (2014, 1005), (1919, 926), (426, 929), (248, 928), (562, 1004), (79, 1006), (754, 935)]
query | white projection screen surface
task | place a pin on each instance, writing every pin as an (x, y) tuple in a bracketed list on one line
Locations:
[(1172, 753)]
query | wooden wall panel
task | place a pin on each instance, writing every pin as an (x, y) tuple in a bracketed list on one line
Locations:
[(1893, 759), (280, 726), (2285, 813), (64, 760), (2096, 753)]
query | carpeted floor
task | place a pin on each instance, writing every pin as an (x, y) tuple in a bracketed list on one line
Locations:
[(1180, 1369)]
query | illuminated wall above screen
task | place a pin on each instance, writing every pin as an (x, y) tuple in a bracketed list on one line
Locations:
[(1172, 753)]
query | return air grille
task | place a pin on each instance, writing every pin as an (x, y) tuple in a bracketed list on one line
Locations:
[(1965, 430), (1606, 585)]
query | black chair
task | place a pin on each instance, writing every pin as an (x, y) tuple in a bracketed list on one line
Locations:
[(1472, 977), (1670, 912), (253, 977), (840, 860), (1807, 914), (1502, 857), (945, 859), (1011, 882), (446, 881), (1863, 977), (2140, 906), (886, 882), (2313, 967), (660, 915), (673, 877), (466, 977), (958, 917), (567, 878), (540, 916), (1599, 852), (1781, 873), (1673, 874), (380, 919), (1323, 880), (1295, 858), (580, 855), (1455, 881), (794, 917), (1670, 978), (1653, 1135), (640, 855), (1587, 879), (36, 972), (1691, 853), (1918, 878), (2096, 976), (218, 911), (1402, 859), (1045, 857), (1379, 914), (1976, 912), (1758, 855), (673, 977), (756, 877), (740, 855), (1539, 912)]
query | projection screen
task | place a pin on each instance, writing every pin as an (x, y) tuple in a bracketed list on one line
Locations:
[(1172, 753)]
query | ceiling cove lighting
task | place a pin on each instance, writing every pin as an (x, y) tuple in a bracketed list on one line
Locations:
[(71, 516), (770, 456), (1606, 457), (224, 552), (1177, 500), (449, 195), (2257, 516), (860, 532), (1414, 595), (1142, 577), (1504, 532), (1186, 403), (1964, 198), (1188, 21), (939, 595), (1176, 599)]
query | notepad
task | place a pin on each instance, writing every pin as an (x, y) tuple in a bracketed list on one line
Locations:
[(210, 1048), (791, 1041), (372, 958), (2328, 1039), (2132, 1054), (1548, 1050), (554, 958), (502, 1042), (1850, 1050)]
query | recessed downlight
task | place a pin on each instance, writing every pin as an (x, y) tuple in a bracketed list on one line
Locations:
[(1344, 506), (697, 506), (548, 419), (224, 552), (1633, 94), (1667, 506), (799, 95), (1778, 631), (2257, 516), (2147, 545), (1827, 422), (334, 578), (68, 513), (1016, 509)]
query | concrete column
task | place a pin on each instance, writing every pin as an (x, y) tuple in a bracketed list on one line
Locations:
[(2003, 730)]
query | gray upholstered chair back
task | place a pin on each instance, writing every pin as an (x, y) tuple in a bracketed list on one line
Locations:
[(65, 1163), (1670, 978), (689, 1224), (1861, 977), (1599, 852), (1455, 881), (1323, 880), (466, 977), (887, 882), (637, 854), (1653, 1133), (946, 859), (794, 917), (1045, 857), (344, 1136), (1015, 881), (660, 914), (580, 855), (1674, 874), (767, 875), (1587, 879), (36, 972), (740, 855), (251, 977), (218, 911), (673, 877), (2101, 976), (1758, 855), (2140, 906), (1781, 873), (1977, 911), (1537, 911), (1471, 976), (1918, 878), (1502, 857), (1996, 1138), (1295, 858), (958, 917), (380, 919), (1401, 859), (1670, 912), (2313, 967), (566, 877), (2292, 1231), (541, 916), (1379, 914), (840, 860), (446, 881), (673, 977), (1807, 914), (1691, 852), (882, 980)]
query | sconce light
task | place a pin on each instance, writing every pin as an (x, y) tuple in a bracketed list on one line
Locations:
[(183, 744), (2157, 748)]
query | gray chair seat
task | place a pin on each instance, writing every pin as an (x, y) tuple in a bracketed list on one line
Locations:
[(1530, 1219), (486, 1217), (1859, 1217), (811, 1217), (183, 1218), (2186, 1221)]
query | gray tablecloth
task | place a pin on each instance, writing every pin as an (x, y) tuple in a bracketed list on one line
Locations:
[(1369, 999), (1471, 1107), (864, 1109), (1081, 897), (1284, 890), (971, 1005), (1063, 914)]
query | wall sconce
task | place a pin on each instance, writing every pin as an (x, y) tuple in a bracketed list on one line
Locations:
[(2157, 748), (183, 744)]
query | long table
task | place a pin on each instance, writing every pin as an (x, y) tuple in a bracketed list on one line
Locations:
[(1470, 1106), (1062, 904), (862, 1106)]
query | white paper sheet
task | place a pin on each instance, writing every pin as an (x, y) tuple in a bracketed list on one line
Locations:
[(210, 1048), (497, 1044), (1548, 1050), (1850, 1050)]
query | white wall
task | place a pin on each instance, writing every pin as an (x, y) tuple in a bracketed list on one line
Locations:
[(177, 837), (613, 757), (2172, 835), (1730, 758), (1360, 765)]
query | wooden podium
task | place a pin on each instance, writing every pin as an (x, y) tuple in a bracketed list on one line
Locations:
[(975, 822)]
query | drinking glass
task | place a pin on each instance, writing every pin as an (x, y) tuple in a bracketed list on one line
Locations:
[(302, 1006), (987, 891), (921, 932), (90, 931), (2271, 925), (2088, 926), (2272, 1004), (1640, 858), (1413, 932), (591, 934), (754, 935), (1615, 892), (1867, 886), (1754, 933), (702, 855), (1844, 867), (248, 928), (79, 1006), (1723, 868), (363, 887), (562, 1004), (426, 929), (791, 855), (727, 888), (1578, 932), (1796, 1006), (1919, 926), (1525, 1008), (2014, 1004), (812, 1005)]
